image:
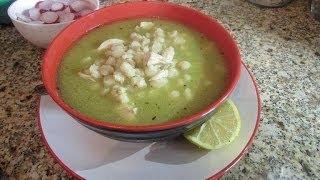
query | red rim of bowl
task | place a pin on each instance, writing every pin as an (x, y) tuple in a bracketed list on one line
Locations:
[(226, 39), (213, 177)]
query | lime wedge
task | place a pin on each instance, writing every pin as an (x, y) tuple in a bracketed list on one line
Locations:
[(220, 130)]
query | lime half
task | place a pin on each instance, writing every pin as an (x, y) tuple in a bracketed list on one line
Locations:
[(220, 130)]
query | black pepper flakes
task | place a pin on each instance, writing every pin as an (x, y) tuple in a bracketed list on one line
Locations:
[(154, 117)]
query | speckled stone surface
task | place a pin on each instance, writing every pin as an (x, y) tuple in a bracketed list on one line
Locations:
[(280, 46)]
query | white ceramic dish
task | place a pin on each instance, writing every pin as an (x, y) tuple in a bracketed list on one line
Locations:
[(88, 155), (38, 34)]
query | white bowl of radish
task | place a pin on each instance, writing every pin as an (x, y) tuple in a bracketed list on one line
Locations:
[(39, 21)]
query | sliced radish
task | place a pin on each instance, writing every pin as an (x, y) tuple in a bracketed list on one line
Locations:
[(43, 11), (26, 12), (79, 5), (85, 12), (34, 14), (23, 18), (49, 17), (60, 13), (65, 2), (67, 9), (77, 15), (36, 22), (46, 5), (57, 6), (66, 17), (37, 4), (91, 6)]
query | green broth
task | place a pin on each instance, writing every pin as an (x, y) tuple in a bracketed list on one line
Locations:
[(155, 105)]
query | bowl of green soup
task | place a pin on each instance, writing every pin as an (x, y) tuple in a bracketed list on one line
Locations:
[(142, 71)]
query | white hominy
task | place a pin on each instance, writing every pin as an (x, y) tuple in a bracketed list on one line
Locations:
[(94, 71), (184, 65), (146, 60), (158, 83), (106, 70), (187, 93), (175, 94)]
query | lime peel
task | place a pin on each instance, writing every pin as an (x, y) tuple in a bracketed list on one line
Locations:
[(220, 130)]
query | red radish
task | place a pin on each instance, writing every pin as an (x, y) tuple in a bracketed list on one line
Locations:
[(57, 6), (67, 9), (49, 17), (60, 13), (37, 4), (54, 11), (85, 12), (23, 18), (34, 14), (43, 11), (25, 12), (46, 5), (77, 15), (65, 2), (66, 17), (79, 5)]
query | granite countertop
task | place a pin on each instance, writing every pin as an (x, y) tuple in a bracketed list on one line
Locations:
[(280, 46)]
